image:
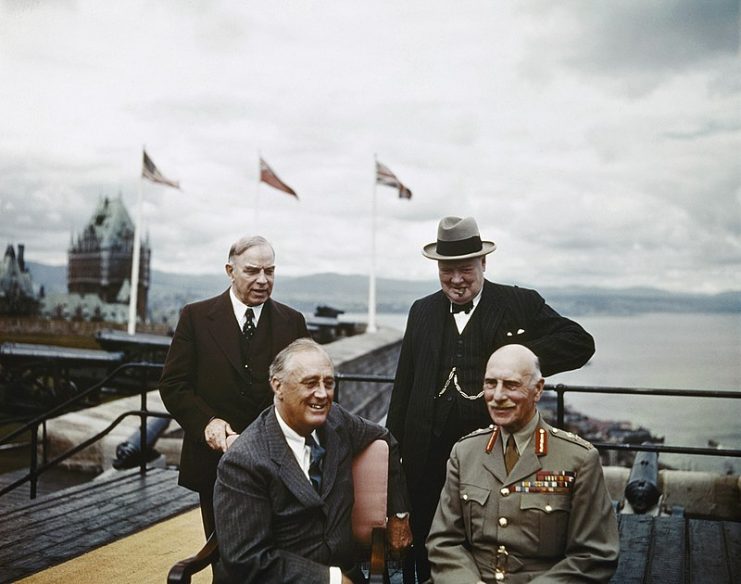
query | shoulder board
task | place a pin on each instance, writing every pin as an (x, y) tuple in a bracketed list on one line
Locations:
[(571, 437), (479, 432)]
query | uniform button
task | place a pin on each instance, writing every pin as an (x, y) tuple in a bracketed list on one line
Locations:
[(499, 577), (449, 398), (242, 393), (503, 522), (465, 497), (548, 508), (504, 492), (555, 430)]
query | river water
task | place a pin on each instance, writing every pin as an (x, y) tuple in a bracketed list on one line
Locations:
[(661, 350)]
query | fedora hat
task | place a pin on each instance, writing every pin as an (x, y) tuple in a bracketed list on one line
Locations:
[(457, 239)]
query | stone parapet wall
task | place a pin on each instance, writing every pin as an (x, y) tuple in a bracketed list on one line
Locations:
[(374, 353), (700, 494), (368, 354)]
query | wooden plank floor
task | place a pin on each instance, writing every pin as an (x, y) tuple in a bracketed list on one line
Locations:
[(51, 529), (55, 528), (674, 550)]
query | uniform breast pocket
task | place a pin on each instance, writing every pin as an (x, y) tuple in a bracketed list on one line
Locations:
[(547, 518), (473, 503)]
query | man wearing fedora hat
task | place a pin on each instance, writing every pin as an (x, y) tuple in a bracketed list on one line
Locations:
[(437, 394)]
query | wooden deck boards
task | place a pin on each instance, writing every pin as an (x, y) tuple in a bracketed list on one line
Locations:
[(35, 535), (675, 550), (51, 529)]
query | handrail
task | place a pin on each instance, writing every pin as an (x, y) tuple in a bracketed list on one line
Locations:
[(143, 413), (561, 389), (41, 418)]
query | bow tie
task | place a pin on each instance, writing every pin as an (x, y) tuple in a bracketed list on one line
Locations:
[(467, 307)]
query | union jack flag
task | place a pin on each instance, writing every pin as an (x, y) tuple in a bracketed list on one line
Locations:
[(385, 177)]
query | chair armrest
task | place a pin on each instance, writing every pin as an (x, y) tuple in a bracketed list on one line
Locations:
[(181, 572), (377, 573)]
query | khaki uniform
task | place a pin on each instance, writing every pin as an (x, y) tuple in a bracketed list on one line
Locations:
[(549, 520)]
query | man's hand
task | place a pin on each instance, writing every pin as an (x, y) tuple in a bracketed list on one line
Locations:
[(216, 433), (230, 440), (398, 534)]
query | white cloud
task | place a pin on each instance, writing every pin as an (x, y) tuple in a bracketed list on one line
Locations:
[(589, 155)]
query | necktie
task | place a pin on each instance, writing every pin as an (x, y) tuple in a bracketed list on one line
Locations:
[(511, 456), (467, 307), (315, 467), (248, 329)]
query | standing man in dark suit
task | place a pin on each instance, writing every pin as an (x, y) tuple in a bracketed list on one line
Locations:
[(215, 379), (284, 492), (437, 396)]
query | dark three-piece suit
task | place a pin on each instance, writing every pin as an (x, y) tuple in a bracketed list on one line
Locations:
[(273, 527), (211, 371), (426, 417)]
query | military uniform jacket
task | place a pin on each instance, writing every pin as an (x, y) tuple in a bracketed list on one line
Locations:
[(549, 520)]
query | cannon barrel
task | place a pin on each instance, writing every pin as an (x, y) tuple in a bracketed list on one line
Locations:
[(128, 453), (642, 488)]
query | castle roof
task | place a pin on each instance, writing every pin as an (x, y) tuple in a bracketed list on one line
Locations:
[(111, 222)]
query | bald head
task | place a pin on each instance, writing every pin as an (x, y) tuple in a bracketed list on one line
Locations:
[(512, 386)]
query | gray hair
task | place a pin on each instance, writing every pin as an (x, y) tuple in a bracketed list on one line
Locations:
[(280, 365), (535, 374), (244, 243)]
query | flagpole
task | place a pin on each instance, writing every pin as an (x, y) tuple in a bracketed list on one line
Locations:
[(371, 328), (134, 292), (257, 193)]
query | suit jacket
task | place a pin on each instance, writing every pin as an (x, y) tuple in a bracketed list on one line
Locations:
[(566, 536), (273, 527), (204, 377), (509, 315)]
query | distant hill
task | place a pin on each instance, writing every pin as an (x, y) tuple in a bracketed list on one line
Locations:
[(169, 292)]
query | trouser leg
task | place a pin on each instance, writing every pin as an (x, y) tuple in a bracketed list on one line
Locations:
[(209, 527)]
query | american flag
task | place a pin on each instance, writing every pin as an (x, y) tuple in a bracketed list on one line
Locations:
[(384, 176), (268, 176), (151, 172)]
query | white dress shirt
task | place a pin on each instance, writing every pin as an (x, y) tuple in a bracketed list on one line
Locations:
[(240, 308), (461, 318)]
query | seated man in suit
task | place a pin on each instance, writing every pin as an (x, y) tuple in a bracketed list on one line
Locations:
[(535, 510), (284, 490)]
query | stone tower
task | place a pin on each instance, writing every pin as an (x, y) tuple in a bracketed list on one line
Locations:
[(100, 258)]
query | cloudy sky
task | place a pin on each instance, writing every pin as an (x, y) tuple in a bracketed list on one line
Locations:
[(597, 143)]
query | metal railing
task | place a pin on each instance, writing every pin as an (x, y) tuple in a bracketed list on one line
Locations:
[(561, 389), (36, 469)]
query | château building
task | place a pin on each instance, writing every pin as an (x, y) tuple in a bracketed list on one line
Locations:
[(99, 259), (17, 296)]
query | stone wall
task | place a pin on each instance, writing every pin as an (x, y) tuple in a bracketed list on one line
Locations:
[(374, 353)]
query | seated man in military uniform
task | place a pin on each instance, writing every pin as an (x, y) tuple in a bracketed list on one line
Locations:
[(522, 502)]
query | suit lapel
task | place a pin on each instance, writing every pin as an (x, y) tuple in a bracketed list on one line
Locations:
[(492, 311), (332, 458), (223, 328), (434, 327), (528, 464), (289, 471), (494, 462)]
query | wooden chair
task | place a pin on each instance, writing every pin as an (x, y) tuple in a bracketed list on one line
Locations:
[(370, 479)]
